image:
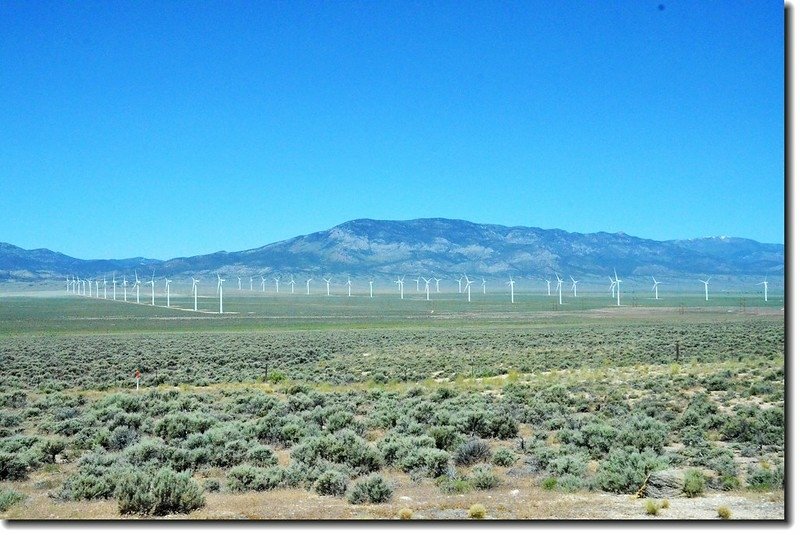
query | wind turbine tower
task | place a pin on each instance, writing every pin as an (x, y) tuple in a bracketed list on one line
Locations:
[(400, 284), (291, 283), (574, 287), (308, 286), (137, 284), (263, 283), (277, 282), (558, 287), (548, 286), (240, 283), (483, 285), (511, 284), (765, 288), (427, 288), (468, 288), (125, 288), (617, 286), (167, 285), (327, 285), (655, 286), (114, 284), (349, 287), (612, 287), (370, 288), (220, 280), (705, 283), (437, 284), (152, 284), (194, 290)]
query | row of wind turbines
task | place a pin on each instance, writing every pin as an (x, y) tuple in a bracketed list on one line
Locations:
[(79, 286)]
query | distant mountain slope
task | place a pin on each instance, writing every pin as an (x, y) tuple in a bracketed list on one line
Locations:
[(443, 246)]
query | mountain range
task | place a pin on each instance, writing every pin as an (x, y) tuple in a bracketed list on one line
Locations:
[(434, 246)]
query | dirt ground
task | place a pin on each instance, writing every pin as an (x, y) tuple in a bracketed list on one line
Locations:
[(516, 498)]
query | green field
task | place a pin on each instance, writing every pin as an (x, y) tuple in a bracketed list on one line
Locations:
[(285, 399)]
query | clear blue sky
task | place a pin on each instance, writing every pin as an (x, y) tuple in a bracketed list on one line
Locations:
[(177, 128)]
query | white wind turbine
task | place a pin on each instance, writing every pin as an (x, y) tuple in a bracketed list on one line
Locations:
[(655, 286), (308, 286), (511, 284), (483, 285), (263, 283), (574, 287), (459, 283), (291, 283), (114, 284), (251, 284), (427, 288), (277, 283), (437, 284), (167, 281), (96, 288), (105, 288), (152, 284), (400, 284), (136, 285), (705, 283), (349, 286), (765, 288), (67, 291), (194, 291), (220, 280), (125, 287), (548, 286), (327, 285), (240, 283), (89, 282), (417, 280), (612, 287), (468, 287), (558, 287), (370, 288), (617, 286)]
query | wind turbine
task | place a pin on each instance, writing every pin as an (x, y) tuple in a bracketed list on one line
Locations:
[(612, 287), (370, 288), (574, 287), (548, 286), (114, 284), (459, 283), (427, 288), (765, 288), (277, 282), (96, 288), (511, 284), (328, 285), (220, 280), (437, 284), (655, 286), (89, 282), (558, 287), (308, 286), (152, 284), (125, 287), (291, 283), (618, 287), (705, 283), (483, 284), (67, 291), (194, 290), (400, 284), (417, 279), (263, 283), (349, 286), (105, 288), (167, 285), (251, 284), (240, 283), (136, 285), (468, 288)]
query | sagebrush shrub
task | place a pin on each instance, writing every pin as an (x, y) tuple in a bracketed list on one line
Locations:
[(625, 469), (694, 483), (504, 457), (483, 477), (158, 494), (245, 477), (471, 452), (373, 489), (9, 498), (331, 483)]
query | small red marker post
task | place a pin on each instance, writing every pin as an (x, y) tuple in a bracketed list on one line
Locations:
[(138, 375)]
